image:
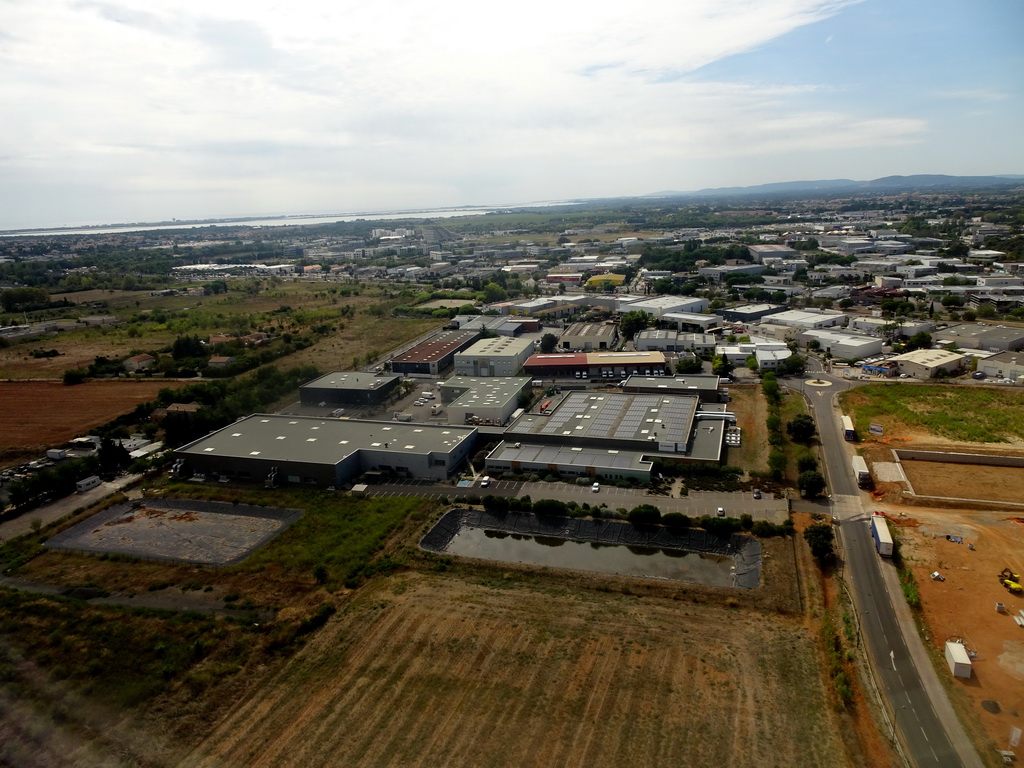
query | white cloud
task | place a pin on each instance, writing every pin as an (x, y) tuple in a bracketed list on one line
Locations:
[(238, 107)]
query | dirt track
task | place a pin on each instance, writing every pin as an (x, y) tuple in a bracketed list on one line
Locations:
[(424, 670)]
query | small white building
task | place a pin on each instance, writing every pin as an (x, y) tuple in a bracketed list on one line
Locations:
[(958, 660), (926, 363)]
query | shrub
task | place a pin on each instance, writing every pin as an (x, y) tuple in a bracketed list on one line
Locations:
[(644, 514), (676, 520), (317, 620), (550, 508)]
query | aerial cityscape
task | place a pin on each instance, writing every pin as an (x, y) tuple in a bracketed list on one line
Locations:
[(548, 386)]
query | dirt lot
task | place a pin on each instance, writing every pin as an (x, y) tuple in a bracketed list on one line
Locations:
[(964, 604), (958, 481), (41, 414), (424, 670), (751, 412)]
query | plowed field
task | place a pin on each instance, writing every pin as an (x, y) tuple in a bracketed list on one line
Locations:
[(43, 414), (425, 670)]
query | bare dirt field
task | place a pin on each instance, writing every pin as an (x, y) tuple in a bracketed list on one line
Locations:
[(964, 605), (40, 414), (751, 412), (208, 533), (425, 670), (960, 481)]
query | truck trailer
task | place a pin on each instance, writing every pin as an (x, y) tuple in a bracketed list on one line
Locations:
[(880, 533), (849, 433), (860, 472)]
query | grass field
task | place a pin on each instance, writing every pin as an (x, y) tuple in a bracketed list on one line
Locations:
[(433, 661), (970, 414), (424, 670)]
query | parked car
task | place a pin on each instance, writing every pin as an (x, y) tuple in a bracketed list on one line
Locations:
[(595, 487), (720, 512), (485, 481), (757, 493)]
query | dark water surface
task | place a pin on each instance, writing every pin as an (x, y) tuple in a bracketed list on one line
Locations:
[(644, 562)]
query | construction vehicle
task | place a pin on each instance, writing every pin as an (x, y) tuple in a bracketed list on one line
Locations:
[(1011, 581)]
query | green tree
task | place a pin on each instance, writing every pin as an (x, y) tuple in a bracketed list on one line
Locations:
[(494, 293), (920, 340), (689, 365), (548, 342), (188, 347), (633, 322), (801, 428), (820, 538), (644, 514), (794, 365), (811, 484), (721, 365)]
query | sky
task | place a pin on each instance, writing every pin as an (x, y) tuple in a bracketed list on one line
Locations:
[(147, 110)]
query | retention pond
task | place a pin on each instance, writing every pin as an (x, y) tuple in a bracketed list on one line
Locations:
[(603, 546)]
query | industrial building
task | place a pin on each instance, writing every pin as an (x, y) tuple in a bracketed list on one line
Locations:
[(1005, 365), (759, 252), (501, 356), (300, 450), (485, 401), (843, 346), (808, 318), (587, 337), (435, 355), (706, 388), (992, 338), (657, 424), (569, 461), (658, 306), (877, 325), (596, 365), (688, 321), (749, 313), (927, 363), (673, 341), (352, 388)]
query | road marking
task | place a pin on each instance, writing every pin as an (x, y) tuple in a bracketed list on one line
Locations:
[(925, 734)]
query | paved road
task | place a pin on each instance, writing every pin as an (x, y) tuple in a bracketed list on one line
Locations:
[(53, 511), (928, 727)]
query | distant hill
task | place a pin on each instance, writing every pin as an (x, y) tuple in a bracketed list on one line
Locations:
[(919, 182)]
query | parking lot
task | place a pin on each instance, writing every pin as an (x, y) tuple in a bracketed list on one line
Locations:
[(696, 504)]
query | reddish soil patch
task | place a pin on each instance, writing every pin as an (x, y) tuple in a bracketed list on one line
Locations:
[(964, 605), (41, 414), (965, 481)]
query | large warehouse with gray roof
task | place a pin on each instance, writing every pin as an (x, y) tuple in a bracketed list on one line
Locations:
[(279, 450)]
